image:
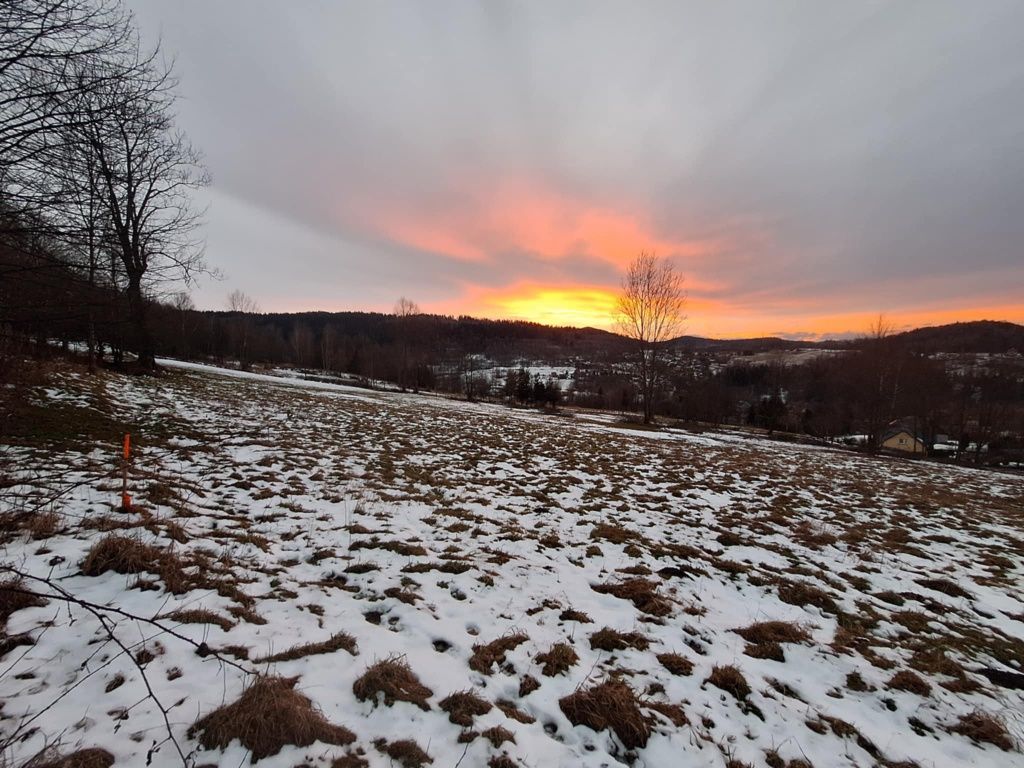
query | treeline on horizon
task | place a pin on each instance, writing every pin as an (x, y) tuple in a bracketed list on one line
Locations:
[(849, 387)]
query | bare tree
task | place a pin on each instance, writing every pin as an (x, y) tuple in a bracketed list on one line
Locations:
[(245, 307), (405, 310), (650, 312), (147, 171)]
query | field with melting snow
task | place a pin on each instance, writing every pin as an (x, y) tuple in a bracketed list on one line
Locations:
[(324, 576)]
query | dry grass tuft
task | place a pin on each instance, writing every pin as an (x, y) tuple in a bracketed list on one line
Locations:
[(14, 596), (608, 639), (406, 752), (198, 616), (571, 615), (984, 728), (93, 757), (641, 592), (676, 664), (340, 641), (485, 656), (731, 680), (512, 712), (528, 685), (945, 586), (909, 681), (773, 632), (123, 554), (463, 706), (611, 705), (269, 715), (498, 735), (800, 593), (393, 678), (558, 659)]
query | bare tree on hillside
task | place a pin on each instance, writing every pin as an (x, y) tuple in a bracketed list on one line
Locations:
[(245, 307), (405, 312), (650, 311)]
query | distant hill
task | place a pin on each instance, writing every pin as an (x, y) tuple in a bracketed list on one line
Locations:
[(992, 336)]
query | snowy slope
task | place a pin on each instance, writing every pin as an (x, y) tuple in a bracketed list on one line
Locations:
[(422, 528)]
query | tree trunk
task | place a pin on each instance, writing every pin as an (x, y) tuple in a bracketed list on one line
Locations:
[(137, 310)]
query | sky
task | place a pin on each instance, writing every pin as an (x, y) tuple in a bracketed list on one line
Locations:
[(805, 165)]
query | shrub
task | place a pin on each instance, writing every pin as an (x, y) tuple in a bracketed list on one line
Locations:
[(269, 715), (393, 679)]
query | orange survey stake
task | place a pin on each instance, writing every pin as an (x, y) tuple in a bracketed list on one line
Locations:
[(126, 500)]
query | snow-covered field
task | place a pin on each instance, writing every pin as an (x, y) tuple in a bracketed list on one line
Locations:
[(600, 595)]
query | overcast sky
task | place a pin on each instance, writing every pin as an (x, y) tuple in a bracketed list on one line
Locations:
[(807, 165)]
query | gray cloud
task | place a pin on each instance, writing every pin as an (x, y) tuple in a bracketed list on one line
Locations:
[(855, 156)]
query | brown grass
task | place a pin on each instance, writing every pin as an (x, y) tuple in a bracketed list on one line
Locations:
[(773, 632), (93, 757), (406, 752), (609, 705), (498, 735), (676, 664), (608, 639), (571, 615), (558, 659), (641, 592), (984, 728), (123, 554), (340, 641), (393, 679), (199, 616), (485, 656), (463, 706), (911, 682), (801, 593), (269, 715), (528, 685), (731, 680), (14, 596), (511, 711), (945, 586)]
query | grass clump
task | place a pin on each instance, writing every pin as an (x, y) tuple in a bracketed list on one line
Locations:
[(609, 705), (92, 757), (395, 681), (127, 555), (340, 641), (984, 728), (803, 594), (676, 664), (14, 596), (731, 680), (498, 736), (911, 682), (199, 616), (269, 715), (512, 712), (641, 592), (773, 632), (608, 639), (463, 706), (486, 655), (406, 752), (558, 659)]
